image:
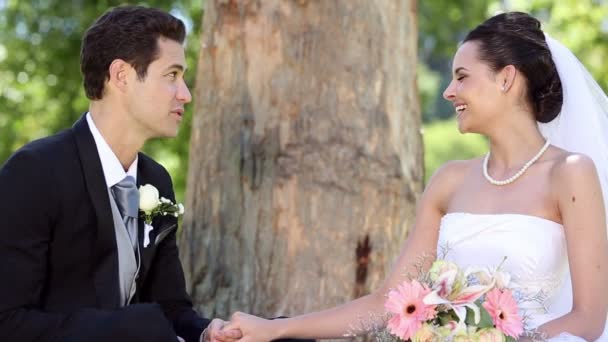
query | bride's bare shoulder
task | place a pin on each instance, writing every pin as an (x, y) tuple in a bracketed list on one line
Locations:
[(447, 178), (454, 171), (574, 177), (572, 167)]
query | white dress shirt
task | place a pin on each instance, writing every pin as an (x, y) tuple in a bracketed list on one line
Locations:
[(112, 169), (128, 263)]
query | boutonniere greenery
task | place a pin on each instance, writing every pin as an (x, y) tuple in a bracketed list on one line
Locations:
[(152, 205)]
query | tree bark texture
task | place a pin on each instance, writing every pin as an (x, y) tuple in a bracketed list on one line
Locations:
[(305, 156)]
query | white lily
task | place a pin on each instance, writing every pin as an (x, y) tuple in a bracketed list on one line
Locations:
[(487, 276), (461, 300)]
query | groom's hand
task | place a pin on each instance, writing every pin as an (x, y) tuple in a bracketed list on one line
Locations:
[(215, 332), (253, 328)]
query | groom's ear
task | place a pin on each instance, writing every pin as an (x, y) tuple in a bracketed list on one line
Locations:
[(119, 74)]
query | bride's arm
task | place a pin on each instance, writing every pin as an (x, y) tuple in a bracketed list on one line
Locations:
[(338, 321), (579, 197)]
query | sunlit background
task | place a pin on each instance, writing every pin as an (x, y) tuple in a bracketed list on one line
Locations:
[(40, 82)]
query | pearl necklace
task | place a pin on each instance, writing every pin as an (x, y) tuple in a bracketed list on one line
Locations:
[(518, 174)]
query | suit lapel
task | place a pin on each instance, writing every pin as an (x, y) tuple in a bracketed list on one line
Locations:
[(145, 252), (106, 256), (160, 223)]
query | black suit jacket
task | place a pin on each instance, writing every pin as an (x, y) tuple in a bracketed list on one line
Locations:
[(58, 254)]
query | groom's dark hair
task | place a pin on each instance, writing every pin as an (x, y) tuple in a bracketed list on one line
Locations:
[(127, 32)]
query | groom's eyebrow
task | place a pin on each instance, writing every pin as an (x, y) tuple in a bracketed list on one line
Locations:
[(179, 67)]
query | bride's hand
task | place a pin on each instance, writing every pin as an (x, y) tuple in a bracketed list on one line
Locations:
[(254, 329)]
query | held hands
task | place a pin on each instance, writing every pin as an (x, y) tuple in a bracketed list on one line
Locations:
[(218, 331), (253, 329)]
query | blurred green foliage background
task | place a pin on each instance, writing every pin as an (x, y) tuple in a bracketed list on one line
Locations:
[(41, 87)]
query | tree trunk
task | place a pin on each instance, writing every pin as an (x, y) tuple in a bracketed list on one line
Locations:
[(306, 153)]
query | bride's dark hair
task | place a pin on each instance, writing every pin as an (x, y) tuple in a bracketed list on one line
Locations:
[(515, 38)]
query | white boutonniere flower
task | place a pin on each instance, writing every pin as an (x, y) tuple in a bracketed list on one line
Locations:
[(152, 205), (148, 199)]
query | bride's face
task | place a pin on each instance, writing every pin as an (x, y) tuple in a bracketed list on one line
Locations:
[(474, 91)]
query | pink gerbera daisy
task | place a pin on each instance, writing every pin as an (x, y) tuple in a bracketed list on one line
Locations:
[(502, 307), (408, 309)]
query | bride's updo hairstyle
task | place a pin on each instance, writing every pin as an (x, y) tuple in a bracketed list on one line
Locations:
[(516, 39)]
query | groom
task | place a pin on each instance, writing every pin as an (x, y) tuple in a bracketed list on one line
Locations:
[(75, 264)]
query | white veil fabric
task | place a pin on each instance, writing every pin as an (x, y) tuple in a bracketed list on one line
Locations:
[(581, 127)]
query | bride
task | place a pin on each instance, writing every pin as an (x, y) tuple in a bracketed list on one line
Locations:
[(536, 197)]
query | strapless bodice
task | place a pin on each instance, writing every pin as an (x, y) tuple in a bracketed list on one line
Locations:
[(536, 258), (531, 249), (534, 248)]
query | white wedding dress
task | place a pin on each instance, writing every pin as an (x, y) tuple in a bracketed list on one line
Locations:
[(536, 259)]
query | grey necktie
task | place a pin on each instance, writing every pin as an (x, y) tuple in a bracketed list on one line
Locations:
[(127, 200)]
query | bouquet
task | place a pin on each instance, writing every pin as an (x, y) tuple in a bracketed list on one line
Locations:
[(450, 304)]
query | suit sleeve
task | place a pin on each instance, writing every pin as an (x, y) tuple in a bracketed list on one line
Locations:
[(27, 211), (165, 284)]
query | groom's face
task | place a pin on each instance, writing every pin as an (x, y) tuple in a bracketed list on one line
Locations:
[(156, 103)]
